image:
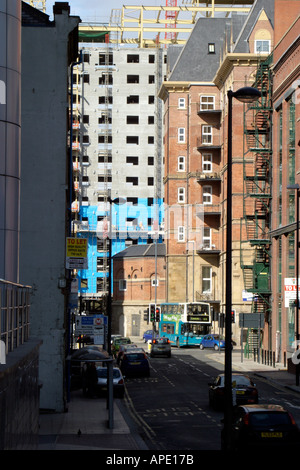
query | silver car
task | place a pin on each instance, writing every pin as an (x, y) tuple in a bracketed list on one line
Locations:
[(160, 347), (118, 381)]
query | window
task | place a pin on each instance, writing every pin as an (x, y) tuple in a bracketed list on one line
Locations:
[(181, 134), (181, 195), (106, 79), (150, 119), (151, 79), (206, 134), (206, 279), (132, 139), (105, 59), (133, 99), (151, 99), (211, 48), (133, 58), (150, 139), (181, 163), (86, 58), (133, 79), (262, 45), (181, 103), (104, 159), (132, 160), (151, 59), (150, 181), (207, 195), (206, 237), (86, 119), (150, 161), (153, 283), (181, 233), (102, 139), (207, 102), (86, 78), (132, 180), (132, 119), (207, 162), (122, 284)]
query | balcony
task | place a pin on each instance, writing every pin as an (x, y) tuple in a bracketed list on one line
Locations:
[(208, 250), (208, 176), (210, 209), (208, 112), (207, 144)]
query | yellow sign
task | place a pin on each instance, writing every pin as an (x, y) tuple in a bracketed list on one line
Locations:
[(76, 253)]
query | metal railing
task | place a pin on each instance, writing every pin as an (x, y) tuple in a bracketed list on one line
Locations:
[(14, 314)]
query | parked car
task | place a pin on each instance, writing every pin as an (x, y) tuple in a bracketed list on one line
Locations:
[(147, 336), (263, 426), (118, 381), (244, 390), (160, 347), (123, 348), (212, 341), (117, 342), (134, 363)]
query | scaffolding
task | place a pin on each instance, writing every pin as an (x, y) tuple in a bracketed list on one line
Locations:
[(148, 26), (256, 223)]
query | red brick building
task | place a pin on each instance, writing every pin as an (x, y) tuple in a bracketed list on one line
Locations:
[(139, 280), (195, 99), (286, 168)]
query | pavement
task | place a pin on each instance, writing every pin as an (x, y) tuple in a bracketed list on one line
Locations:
[(87, 424)]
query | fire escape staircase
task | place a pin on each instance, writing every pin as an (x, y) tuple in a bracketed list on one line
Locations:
[(255, 224)]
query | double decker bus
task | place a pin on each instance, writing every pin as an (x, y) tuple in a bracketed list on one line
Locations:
[(184, 324)]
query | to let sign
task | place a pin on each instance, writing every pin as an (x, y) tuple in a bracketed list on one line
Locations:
[(76, 253)]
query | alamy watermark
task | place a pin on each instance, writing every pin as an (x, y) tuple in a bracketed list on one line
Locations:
[(2, 92), (296, 353)]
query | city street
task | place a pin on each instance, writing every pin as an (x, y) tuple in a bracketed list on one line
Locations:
[(171, 406)]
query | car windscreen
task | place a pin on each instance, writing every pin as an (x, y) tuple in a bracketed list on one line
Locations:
[(135, 356), (262, 419), (240, 380), (102, 373)]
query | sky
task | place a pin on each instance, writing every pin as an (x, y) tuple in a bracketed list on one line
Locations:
[(100, 10)]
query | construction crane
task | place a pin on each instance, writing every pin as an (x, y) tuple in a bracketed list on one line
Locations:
[(38, 4), (171, 15)]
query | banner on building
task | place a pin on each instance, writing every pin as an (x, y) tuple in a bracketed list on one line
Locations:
[(76, 253), (290, 290)]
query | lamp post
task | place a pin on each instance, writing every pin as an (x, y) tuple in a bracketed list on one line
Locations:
[(245, 95), (297, 188), (118, 201)]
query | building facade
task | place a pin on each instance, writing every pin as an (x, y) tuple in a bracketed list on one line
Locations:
[(139, 280), (195, 98), (117, 153), (285, 175), (48, 48)]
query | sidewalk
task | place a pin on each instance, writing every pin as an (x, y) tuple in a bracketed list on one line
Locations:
[(85, 425)]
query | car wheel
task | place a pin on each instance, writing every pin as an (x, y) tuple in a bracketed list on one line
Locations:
[(216, 347), (201, 346)]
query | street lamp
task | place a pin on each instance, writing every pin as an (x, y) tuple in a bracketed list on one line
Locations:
[(245, 95), (118, 201), (297, 188)]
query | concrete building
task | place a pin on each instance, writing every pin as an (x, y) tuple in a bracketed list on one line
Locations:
[(48, 49), (117, 153)]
